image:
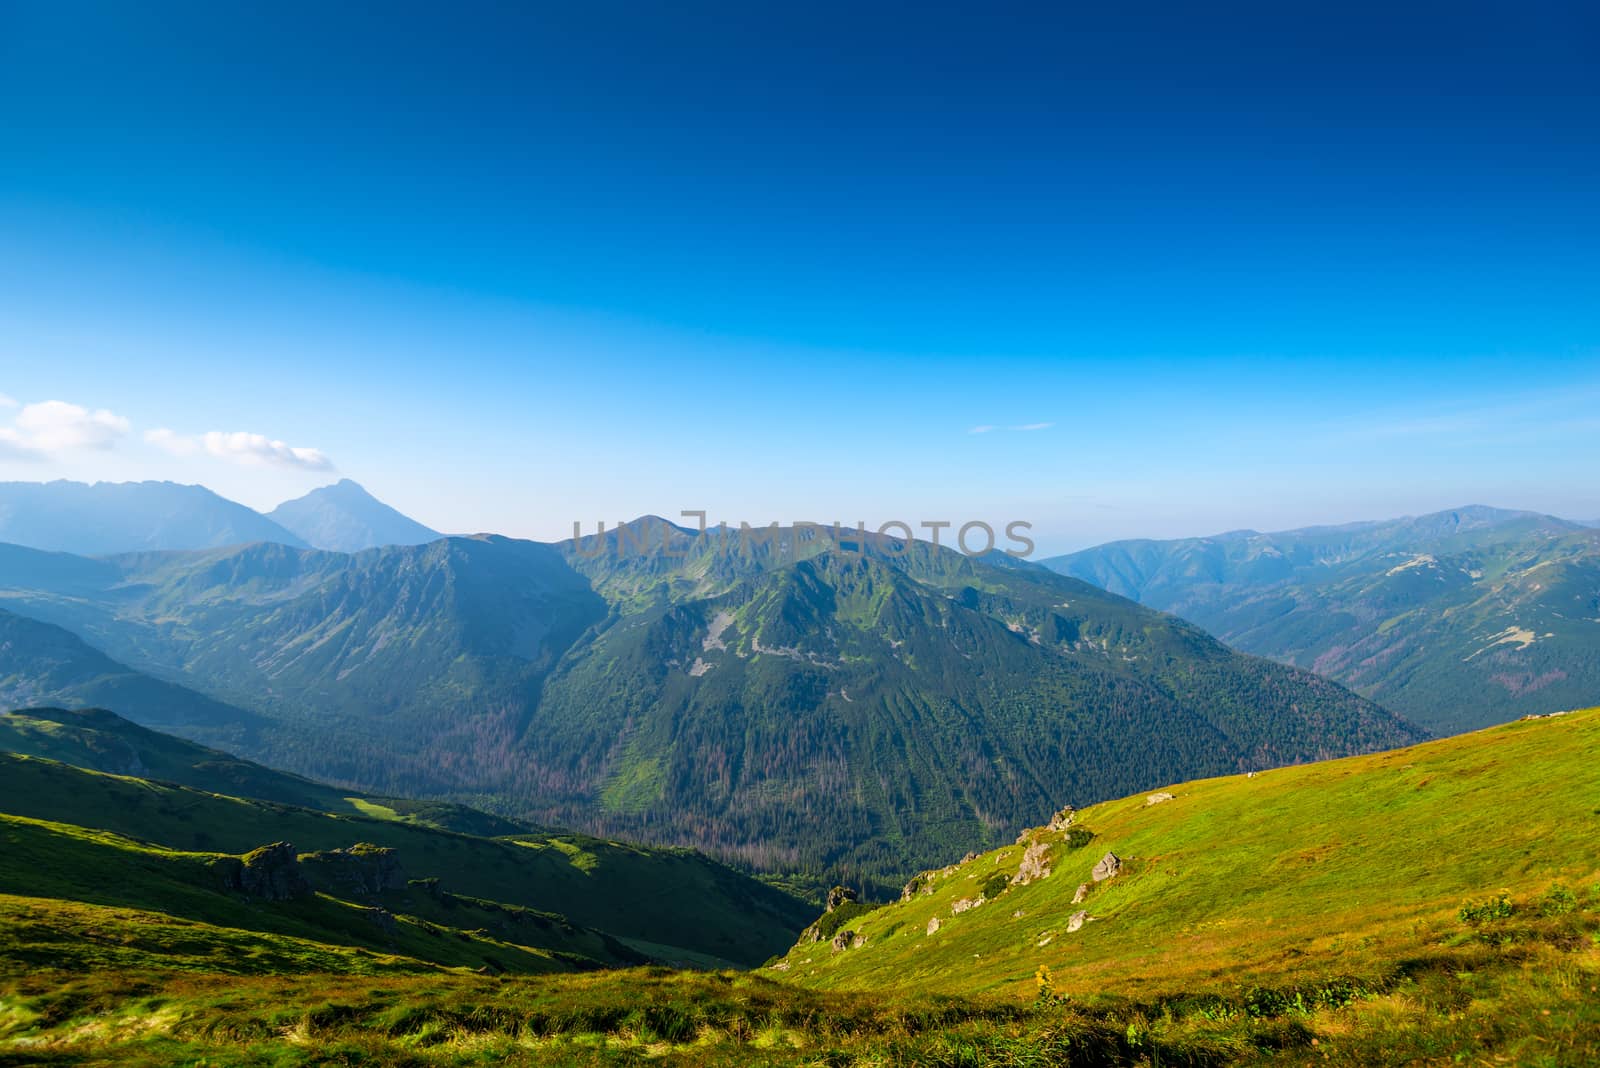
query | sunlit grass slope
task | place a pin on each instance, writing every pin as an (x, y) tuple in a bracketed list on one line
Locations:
[(1340, 868), (670, 898)]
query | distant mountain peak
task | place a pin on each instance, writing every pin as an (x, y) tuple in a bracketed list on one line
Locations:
[(344, 517), (103, 518)]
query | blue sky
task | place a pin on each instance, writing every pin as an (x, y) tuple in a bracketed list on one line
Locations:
[(1240, 266)]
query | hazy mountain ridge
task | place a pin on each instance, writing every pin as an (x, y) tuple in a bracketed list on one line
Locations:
[(114, 517), (1456, 619), (869, 711)]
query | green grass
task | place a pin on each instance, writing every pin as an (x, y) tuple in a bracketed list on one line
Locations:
[(1343, 867), (1531, 1001), (43, 861), (1436, 905), (669, 897)]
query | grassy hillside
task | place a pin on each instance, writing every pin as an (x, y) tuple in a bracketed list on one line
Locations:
[(807, 704), (52, 874), (1437, 905), (1455, 620), (1345, 868), (100, 740), (689, 906)]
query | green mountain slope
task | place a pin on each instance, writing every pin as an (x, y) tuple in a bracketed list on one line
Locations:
[(798, 704), (868, 713), (1349, 867), (100, 740), (62, 868), (43, 664), (680, 901), (1454, 620)]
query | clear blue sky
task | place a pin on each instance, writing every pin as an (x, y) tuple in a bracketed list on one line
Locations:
[(1254, 265)]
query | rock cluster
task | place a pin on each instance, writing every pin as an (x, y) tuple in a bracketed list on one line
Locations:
[(271, 873), (1063, 819), (1110, 867), (1035, 865), (1156, 799), (839, 895), (362, 870)]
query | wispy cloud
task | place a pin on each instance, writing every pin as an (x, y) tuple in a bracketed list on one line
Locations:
[(173, 442), (240, 447), (8, 402), (47, 429), (989, 428)]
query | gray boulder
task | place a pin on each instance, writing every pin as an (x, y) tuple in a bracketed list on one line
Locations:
[(1110, 867)]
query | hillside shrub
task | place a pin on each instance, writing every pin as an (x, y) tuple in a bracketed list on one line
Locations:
[(1479, 913)]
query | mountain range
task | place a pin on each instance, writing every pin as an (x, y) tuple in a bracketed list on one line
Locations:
[(1455, 620), (801, 704), (119, 517)]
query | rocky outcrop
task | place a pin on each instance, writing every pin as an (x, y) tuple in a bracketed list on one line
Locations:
[(1063, 819), (933, 924), (362, 870), (843, 940), (1083, 892), (921, 883), (1035, 865), (271, 873), (965, 904), (1077, 920), (1156, 799), (838, 896), (1110, 867)]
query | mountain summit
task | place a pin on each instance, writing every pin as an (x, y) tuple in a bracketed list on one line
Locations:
[(345, 518)]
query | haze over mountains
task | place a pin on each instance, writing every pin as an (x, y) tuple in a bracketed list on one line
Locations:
[(120, 517), (346, 518), (1455, 620), (799, 703)]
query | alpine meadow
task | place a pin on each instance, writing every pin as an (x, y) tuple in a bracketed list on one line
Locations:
[(865, 536)]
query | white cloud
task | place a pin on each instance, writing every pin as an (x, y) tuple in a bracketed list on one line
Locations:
[(12, 447), (176, 444), (1033, 426), (244, 448), (240, 447), (50, 427)]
